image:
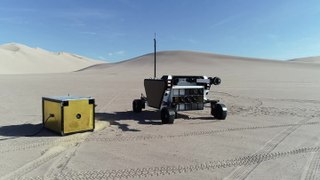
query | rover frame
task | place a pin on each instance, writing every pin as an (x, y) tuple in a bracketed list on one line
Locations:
[(173, 93)]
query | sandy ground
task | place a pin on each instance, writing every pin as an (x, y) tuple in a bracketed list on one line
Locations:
[(271, 132)]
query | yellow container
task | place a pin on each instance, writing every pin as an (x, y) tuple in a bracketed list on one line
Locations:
[(68, 114)]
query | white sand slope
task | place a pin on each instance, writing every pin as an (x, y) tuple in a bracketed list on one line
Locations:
[(21, 59)]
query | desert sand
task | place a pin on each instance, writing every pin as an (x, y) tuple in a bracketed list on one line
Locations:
[(21, 59), (314, 59), (271, 132)]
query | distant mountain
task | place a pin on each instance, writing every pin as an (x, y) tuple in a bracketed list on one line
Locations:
[(20, 59)]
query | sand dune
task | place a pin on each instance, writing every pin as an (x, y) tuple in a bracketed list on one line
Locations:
[(187, 60), (170, 58), (315, 59), (271, 132), (21, 59)]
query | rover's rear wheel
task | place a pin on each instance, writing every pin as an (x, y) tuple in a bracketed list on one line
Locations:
[(219, 111), (175, 113), (137, 105), (167, 115)]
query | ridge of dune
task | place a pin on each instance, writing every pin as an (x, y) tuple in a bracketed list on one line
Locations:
[(179, 57), (21, 59), (189, 56), (313, 59), (170, 61)]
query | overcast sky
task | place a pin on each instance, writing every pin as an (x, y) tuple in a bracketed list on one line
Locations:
[(116, 30)]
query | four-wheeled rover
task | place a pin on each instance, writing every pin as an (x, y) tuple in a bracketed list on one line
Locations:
[(179, 93)]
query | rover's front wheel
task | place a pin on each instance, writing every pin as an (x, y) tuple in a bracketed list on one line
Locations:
[(137, 105), (167, 115), (219, 111)]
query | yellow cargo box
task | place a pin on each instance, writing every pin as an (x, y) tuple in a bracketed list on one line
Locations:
[(68, 114)]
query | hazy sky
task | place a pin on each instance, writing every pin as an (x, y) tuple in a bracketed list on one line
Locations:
[(121, 29)]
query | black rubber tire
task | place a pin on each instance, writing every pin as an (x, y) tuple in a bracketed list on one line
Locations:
[(175, 113), (167, 115), (219, 111), (216, 81), (137, 105)]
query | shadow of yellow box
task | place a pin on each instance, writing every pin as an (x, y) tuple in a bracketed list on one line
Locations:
[(68, 114)]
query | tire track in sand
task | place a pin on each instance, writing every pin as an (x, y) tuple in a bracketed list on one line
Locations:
[(193, 133), (50, 154), (312, 166), (73, 138), (254, 106), (180, 169), (244, 171), (61, 163)]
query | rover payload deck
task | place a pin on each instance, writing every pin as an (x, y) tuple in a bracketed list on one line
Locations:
[(179, 93)]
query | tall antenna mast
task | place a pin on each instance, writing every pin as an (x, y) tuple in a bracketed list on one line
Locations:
[(155, 56)]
